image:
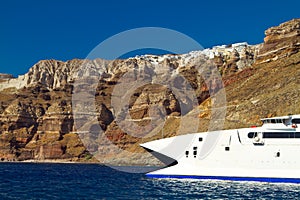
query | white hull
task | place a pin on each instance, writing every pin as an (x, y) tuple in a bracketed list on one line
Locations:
[(236, 155)]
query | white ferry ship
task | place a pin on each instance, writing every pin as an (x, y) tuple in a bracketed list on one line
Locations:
[(270, 153)]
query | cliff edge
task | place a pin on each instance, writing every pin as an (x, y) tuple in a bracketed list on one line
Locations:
[(37, 109)]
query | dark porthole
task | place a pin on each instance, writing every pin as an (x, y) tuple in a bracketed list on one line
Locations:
[(278, 154), (186, 153), (195, 154), (227, 148), (200, 139)]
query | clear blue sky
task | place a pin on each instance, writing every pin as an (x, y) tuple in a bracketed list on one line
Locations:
[(35, 30)]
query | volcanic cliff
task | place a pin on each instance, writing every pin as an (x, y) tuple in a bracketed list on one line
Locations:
[(99, 110)]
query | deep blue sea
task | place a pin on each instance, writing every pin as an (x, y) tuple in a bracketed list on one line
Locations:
[(92, 181)]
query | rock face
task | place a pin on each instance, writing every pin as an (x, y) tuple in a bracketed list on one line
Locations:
[(79, 109), (5, 76), (37, 124), (280, 42)]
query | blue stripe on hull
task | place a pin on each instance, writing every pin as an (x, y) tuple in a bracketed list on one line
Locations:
[(227, 178)]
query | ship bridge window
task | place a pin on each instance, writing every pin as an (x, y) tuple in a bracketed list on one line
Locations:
[(276, 134), (276, 121), (296, 121), (272, 121), (252, 134), (281, 135)]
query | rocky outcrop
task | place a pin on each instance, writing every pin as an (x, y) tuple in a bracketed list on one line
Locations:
[(37, 124), (77, 109), (5, 76), (54, 74), (280, 42)]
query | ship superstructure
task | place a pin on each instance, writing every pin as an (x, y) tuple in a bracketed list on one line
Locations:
[(268, 153)]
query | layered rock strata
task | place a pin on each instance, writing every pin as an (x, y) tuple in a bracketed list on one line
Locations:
[(98, 110)]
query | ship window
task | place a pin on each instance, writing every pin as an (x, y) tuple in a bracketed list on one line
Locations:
[(278, 154), (267, 121), (200, 139), (297, 135), (195, 148), (252, 134), (187, 153), (296, 121), (281, 135), (227, 148), (278, 135)]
